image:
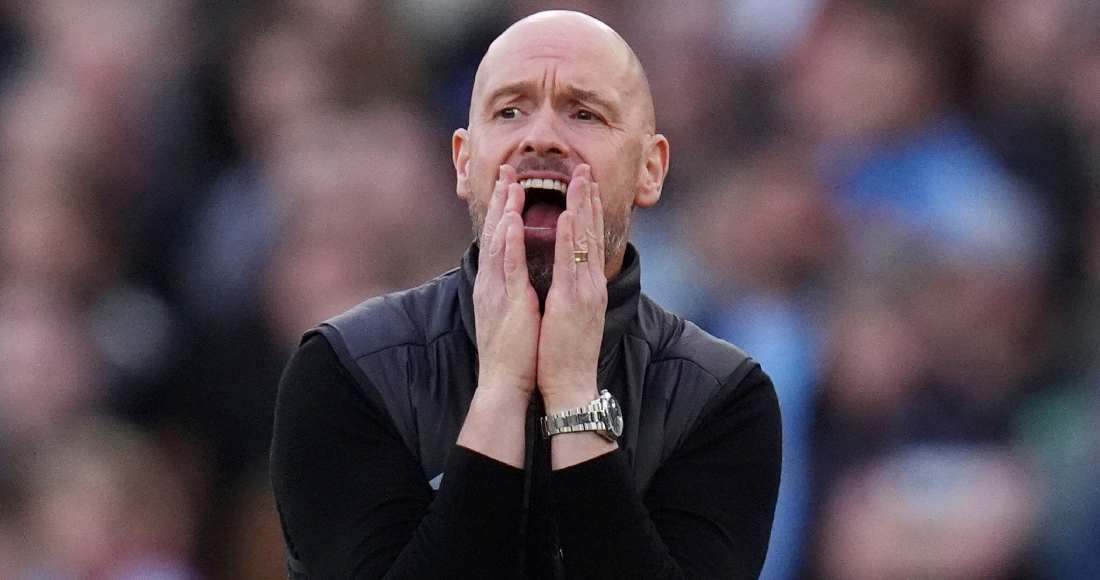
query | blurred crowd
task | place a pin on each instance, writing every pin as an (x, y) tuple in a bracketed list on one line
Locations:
[(892, 204)]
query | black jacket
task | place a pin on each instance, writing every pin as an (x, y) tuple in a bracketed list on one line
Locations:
[(690, 493)]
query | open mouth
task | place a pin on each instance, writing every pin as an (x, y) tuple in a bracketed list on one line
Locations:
[(544, 200)]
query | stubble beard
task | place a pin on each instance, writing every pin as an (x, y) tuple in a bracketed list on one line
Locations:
[(540, 255)]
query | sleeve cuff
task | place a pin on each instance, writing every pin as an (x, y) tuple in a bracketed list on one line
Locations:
[(479, 494), (596, 497)]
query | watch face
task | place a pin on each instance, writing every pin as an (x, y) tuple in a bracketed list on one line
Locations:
[(614, 417)]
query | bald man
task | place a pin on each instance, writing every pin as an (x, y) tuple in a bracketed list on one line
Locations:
[(532, 414)]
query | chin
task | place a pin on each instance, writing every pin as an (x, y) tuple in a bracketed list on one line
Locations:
[(540, 264)]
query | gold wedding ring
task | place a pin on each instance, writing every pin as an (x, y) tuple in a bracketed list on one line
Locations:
[(580, 256)]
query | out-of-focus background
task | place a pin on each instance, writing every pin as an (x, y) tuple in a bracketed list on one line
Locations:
[(892, 204)]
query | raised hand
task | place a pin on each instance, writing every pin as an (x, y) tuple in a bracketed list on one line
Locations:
[(506, 311), (506, 307), (573, 320)]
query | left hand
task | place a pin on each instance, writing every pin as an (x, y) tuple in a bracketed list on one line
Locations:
[(573, 318)]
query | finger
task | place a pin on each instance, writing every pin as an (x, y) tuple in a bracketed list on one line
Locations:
[(495, 210), (585, 229), (497, 201), (577, 202), (515, 199), (565, 265), (584, 220), (598, 242), (588, 227), (597, 217), (493, 260), (516, 278)]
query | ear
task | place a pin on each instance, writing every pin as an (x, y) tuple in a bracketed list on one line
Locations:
[(654, 169), (460, 155)]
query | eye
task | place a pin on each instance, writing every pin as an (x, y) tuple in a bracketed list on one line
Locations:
[(588, 116), (508, 113)]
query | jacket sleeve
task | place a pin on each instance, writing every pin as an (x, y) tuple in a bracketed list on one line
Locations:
[(353, 501), (709, 508)]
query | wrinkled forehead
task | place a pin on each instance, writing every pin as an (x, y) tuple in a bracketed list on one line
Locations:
[(581, 49)]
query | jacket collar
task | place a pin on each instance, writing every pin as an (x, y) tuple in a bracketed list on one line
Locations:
[(623, 294)]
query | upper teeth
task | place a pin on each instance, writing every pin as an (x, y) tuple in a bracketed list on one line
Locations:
[(544, 184)]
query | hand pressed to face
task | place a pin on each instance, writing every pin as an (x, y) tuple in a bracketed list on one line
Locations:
[(520, 350), (559, 350), (505, 305), (573, 320), (562, 97)]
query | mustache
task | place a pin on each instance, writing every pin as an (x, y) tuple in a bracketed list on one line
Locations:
[(554, 164)]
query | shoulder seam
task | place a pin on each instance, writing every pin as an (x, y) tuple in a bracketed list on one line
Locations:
[(424, 343), (690, 361)]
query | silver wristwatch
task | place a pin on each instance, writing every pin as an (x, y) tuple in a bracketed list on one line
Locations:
[(602, 416)]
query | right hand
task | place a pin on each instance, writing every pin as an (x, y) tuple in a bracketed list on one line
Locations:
[(506, 308)]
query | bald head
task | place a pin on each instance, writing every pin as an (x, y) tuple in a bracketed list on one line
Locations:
[(546, 34), (557, 91)]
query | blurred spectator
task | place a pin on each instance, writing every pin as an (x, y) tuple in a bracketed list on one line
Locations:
[(767, 233), (764, 30), (1026, 52), (364, 50), (939, 300), (929, 511), (108, 66), (51, 368), (367, 210), (310, 150), (260, 262), (54, 230), (102, 502), (695, 79), (869, 69)]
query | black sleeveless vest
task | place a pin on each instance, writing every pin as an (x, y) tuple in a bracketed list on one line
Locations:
[(414, 353)]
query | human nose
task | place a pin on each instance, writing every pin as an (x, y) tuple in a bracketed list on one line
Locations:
[(544, 136)]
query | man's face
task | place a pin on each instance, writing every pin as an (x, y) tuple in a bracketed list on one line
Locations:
[(547, 98)]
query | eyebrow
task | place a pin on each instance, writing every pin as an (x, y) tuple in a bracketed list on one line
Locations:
[(571, 93)]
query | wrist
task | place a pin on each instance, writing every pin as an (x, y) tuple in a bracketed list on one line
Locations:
[(501, 396), (495, 424), (579, 394), (583, 432), (505, 383)]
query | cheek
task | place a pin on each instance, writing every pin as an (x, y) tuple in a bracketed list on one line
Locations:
[(478, 210), (483, 166), (621, 179), (618, 185), (478, 173)]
